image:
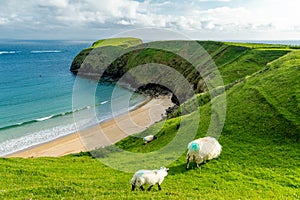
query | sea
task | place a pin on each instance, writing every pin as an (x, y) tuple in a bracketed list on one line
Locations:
[(37, 94)]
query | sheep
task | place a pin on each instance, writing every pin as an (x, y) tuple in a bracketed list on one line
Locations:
[(203, 149), (150, 177), (149, 138)]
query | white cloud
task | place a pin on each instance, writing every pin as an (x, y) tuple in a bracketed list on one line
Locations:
[(3, 21), (124, 22), (282, 14), (214, 0), (64, 15), (54, 3)]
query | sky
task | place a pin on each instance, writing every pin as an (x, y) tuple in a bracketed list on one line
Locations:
[(198, 19)]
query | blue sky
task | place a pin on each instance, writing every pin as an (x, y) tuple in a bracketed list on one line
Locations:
[(198, 19)]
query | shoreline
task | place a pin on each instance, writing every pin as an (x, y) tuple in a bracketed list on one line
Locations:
[(75, 132), (103, 134)]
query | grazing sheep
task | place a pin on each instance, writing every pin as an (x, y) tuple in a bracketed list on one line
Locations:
[(149, 138), (203, 149), (150, 177)]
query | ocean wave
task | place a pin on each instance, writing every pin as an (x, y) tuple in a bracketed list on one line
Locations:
[(46, 51), (41, 119), (44, 118), (7, 52), (34, 121), (103, 102)]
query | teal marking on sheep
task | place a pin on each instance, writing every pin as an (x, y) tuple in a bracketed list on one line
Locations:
[(140, 174), (195, 146)]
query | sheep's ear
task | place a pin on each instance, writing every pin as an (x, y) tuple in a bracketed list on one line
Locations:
[(167, 169)]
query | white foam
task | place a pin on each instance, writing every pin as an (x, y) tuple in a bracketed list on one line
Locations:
[(7, 52), (104, 102), (44, 118), (46, 51)]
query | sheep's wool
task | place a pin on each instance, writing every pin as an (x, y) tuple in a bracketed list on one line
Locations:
[(203, 149)]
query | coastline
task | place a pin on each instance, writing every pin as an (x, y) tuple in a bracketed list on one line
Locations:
[(103, 134)]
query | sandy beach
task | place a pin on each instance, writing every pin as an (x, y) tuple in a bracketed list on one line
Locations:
[(103, 134)]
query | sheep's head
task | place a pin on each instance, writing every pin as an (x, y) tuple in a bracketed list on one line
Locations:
[(164, 170), (154, 137)]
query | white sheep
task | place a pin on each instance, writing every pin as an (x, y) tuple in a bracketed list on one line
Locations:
[(203, 149), (150, 177), (149, 138)]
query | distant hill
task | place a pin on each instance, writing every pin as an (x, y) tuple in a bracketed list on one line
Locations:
[(121, 42)]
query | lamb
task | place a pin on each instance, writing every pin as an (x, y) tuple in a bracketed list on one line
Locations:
[(150, 177), (203, 149), (149, 138)]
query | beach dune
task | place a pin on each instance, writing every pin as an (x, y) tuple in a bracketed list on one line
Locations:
[(103, 134)]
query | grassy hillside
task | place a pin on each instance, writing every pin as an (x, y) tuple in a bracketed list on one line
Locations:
[(121, 42), (260, 139), (264, 46)]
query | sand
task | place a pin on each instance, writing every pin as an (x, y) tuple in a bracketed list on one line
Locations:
[(103, 134)]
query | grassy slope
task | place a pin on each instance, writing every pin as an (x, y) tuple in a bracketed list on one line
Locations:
[(122, 42), (260, 158), (248, 63), (260, 139), (264, 46)]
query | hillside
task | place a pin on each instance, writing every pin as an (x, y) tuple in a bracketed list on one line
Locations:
[(233, 62), (260, 139)]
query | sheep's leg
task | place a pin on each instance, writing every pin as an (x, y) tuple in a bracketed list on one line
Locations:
[(187, 163), (150, 187), (132, 187), (142, 188), (159, 188), (198, 162)]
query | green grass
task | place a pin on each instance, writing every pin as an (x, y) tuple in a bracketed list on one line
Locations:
[(121, 42), (248, 63), (260, 157), (263, 46)]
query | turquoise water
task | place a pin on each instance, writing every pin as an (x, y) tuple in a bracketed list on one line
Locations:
[(36, 94)]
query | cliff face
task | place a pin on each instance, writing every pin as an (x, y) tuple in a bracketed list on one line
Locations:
[(78, 60), (116, 44)]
